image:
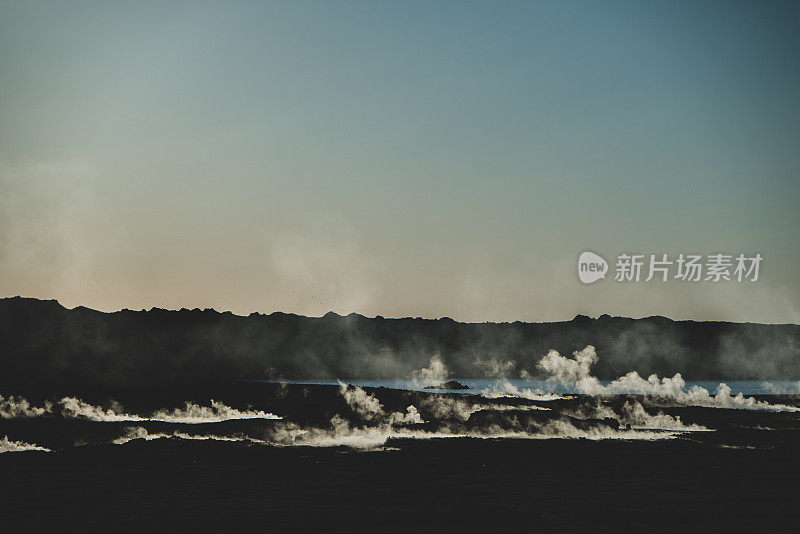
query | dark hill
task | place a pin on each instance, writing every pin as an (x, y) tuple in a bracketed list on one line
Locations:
[(44, 344)]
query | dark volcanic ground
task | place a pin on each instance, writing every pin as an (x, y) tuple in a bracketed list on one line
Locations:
[(739, 475)]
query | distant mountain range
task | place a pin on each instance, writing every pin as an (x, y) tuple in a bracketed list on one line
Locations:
[(43, 344)]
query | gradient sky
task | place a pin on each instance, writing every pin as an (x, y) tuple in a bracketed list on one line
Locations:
[(398, 158)]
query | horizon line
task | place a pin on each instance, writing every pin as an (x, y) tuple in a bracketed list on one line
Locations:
[(578, 317)]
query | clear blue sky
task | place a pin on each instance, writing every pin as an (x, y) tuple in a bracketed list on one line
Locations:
[(397, 158)]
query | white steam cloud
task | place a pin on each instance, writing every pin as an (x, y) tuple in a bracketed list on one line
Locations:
[(507, 389), (435, 372), (365, 405), (634, 416), (6, 445), (76, 408), (575, 372), (369, 408), (190, 413), (18, 407), (142, 433)]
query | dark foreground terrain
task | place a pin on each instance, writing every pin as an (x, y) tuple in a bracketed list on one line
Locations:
[(320, 468), (464, 485)]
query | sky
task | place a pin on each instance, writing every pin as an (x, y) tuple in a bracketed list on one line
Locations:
[(398, 158)]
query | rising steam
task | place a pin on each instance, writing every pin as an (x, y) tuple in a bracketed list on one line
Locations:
[(19, 407), (369, 408), (575, 373), (435, 372), (190, 413), (7, 445)]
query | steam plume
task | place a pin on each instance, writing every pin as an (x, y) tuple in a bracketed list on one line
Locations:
[(15, 407), (7, 445)]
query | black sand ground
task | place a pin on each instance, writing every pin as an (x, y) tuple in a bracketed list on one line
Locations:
[(696, 483)]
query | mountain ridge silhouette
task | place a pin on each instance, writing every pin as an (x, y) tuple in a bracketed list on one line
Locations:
[(44, 344)]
